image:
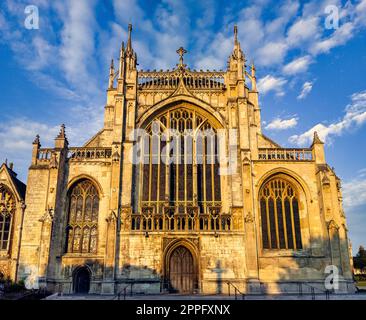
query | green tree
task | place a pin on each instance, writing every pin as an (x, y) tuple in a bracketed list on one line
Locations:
[(359, 261)]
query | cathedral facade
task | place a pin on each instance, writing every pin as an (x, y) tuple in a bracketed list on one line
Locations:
[(180, 191)]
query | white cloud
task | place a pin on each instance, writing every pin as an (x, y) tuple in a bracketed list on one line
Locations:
[(306, 88), (339, 37), (298, 65), (354, 191), (271, 83), (303, 30), (77, 48), (17, 135), (282, 124), (355, 116), (272, 53), (128, 11)]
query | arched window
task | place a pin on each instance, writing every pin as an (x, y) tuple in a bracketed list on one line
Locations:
[(179, 168), (7, 208), (279, 207), (83, 218)]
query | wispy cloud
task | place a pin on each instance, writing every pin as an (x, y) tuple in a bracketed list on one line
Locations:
[(298, 65), (306, 88), (354, 191), (77, 47), (355, 116), (271, 83), (282, 124)]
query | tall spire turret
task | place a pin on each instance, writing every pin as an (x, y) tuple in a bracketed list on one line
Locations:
[(111, 75), (253, 78), (131, 57), (236, 34), (121, 60), (129, 41), (237, 60)]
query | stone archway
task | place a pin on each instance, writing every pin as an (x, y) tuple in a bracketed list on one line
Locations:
[(182, 270), (81, 280)]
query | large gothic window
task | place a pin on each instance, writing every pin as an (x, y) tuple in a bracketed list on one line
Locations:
[(7, 208), (279, 207), (179, 168), (83, 218)]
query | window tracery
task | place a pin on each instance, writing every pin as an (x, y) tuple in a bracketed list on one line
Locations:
[(280, 218), (83, 218)]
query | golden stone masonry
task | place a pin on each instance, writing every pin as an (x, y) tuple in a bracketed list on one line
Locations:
[(90, 220)]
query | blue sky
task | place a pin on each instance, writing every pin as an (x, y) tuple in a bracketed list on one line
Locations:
[(311, 73)]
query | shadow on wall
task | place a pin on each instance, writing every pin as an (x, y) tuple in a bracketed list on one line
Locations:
[(219, 281), (307, 271), (297, 272)]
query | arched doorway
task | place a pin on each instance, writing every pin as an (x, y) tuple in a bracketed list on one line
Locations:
[(182, 271), (82, 280)]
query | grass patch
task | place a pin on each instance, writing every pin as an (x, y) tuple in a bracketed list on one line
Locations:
[(361, 283)]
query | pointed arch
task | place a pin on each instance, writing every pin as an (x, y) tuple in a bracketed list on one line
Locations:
[(83, 214), (178, 163), (279, 212), (189, 271), (204, 108), (7, 211), (84, 176)]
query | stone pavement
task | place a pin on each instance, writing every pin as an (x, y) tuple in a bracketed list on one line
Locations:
[(357, 296)]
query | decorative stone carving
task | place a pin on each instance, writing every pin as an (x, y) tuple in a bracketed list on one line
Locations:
[(249, 218), (53, 161)]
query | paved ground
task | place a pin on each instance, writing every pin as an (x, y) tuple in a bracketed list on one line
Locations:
[(358, 296)]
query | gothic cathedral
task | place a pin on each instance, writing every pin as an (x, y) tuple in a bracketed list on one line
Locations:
[(180, 191)]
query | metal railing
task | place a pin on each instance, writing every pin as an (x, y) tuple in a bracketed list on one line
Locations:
[(237, 292), (313, 290), (123, 292)]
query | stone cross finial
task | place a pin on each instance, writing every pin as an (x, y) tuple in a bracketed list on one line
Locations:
[(181, 51), (62, 132), (36, 140), (316, 138)]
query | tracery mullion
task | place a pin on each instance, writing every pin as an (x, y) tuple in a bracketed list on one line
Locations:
[(268, 224), (7, 239), (150, 167), (2, 224), (177, 178), (276, 219), (293, 223), (141, 172), (204, 173), (168, 160), (158, 177), (82, 224), (212, 169), (284, 213), (194, 161), (185, 157)]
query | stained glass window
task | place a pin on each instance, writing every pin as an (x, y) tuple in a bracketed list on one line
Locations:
[(280, 216), (83, 218)]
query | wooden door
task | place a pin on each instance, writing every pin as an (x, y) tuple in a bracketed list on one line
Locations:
[(181, 270), (82, 281)]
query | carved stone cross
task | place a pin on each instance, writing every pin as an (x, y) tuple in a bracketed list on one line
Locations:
[(181, 51)]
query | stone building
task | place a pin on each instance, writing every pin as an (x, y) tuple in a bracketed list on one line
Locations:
[(180, 191)]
